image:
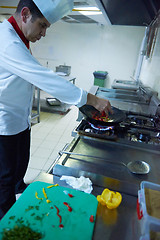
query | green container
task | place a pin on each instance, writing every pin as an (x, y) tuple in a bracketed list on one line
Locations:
[(99, 82), (99, 78)]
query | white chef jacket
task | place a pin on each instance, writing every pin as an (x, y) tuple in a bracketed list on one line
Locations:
[(19, 71)]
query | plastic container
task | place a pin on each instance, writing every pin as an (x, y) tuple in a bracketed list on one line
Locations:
[(150, 225), (99, 78)]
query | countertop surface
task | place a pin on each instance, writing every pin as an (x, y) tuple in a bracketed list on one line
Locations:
[(120, 223)]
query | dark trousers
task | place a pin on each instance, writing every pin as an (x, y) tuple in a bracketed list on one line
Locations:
[(14, 158)]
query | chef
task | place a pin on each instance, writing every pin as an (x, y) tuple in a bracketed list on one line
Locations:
[(19, 72)]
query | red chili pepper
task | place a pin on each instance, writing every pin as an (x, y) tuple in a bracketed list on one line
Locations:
[(91, 218), (102, 117), (70, 195), (103, 114), (60, 218), (69, 208)]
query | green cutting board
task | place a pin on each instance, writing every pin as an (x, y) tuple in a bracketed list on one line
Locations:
[(42, 216)]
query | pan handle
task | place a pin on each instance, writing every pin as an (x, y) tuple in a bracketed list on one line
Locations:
[(84, 155)]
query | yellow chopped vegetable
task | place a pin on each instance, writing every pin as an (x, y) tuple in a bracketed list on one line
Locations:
[(48, 201), (36, 195), (55, 185), (45, 195), (110, 199)]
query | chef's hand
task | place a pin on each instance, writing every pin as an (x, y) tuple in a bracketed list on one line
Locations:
[(99, 103)]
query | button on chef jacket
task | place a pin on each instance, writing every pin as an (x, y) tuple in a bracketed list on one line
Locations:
[(19, 71)]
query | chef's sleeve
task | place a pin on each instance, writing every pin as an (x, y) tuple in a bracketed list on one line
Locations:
[(18, 60)]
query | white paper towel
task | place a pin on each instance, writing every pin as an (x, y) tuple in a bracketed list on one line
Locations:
[(81, 183)]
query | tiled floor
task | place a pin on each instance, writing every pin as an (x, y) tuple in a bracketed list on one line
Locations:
[(47, 138)]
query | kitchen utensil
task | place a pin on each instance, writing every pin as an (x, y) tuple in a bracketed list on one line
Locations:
[(89, 112), (136, 167), (68, 207)]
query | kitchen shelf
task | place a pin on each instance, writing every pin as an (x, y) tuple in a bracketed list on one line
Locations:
[(36, 105)]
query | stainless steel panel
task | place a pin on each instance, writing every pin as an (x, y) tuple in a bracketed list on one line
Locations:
[(104, 173)]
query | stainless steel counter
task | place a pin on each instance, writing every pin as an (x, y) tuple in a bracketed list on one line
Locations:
[(100, 171)]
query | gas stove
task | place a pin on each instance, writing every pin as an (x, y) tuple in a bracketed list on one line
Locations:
[(98, 152), (136, 128), (142, 121)]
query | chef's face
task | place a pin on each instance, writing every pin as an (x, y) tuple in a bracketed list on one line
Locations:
[(34, 28)]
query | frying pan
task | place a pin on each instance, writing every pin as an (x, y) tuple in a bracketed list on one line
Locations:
[(89, 112)]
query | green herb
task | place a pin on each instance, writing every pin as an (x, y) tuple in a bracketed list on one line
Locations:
[(12, 217), (20, 220), (38, 218), (21, 233), (29, 208)]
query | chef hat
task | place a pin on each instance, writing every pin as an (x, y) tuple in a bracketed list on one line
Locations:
[(53, 10)]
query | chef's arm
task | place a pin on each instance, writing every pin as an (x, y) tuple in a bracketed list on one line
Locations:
[(99, 103), (26, 67)]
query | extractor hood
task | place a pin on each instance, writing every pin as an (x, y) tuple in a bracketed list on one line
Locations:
[(129, 12)]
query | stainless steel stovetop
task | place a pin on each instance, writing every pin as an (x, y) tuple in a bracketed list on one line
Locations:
[(136, 138), (135, 128)]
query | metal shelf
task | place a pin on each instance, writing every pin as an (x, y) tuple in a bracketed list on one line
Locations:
[(37, 106)]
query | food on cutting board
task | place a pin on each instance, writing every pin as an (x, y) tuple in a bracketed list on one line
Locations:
[(110, 199), (51, 211), (21, 232), (152, 202)]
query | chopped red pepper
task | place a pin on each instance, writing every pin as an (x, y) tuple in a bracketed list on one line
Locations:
[(69, 208), (102, 117), (103, 114), (70, 195), (61, 226), (91, 218), (60, 218)]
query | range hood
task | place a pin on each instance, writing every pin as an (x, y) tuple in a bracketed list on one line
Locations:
[(129, 12)]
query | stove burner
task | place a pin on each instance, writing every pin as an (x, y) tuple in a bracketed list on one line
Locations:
[(144, 137), (107, 130), (158, 135), (101, 128), (124, 131), (141, 121)]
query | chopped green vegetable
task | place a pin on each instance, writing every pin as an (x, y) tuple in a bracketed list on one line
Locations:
[(12, 217), (29, 208), (21, 232)]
